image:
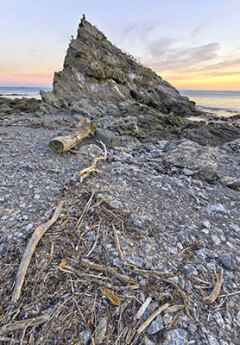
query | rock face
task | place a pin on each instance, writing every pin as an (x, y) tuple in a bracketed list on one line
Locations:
[(102, 83), (98, 79)]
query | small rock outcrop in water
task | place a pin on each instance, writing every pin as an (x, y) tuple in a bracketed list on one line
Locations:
[(99, 79)]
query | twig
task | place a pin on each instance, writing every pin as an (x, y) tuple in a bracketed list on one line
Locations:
[(151, 272), (216, 291), (182, 294), (93, 167), (31, 246), (95, 243), (5, 339), (22, 324), (143, 308), (230, 294), (101, 268), (152, 317), (117, 242)]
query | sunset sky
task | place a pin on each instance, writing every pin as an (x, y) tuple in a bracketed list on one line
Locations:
[(192, 44)]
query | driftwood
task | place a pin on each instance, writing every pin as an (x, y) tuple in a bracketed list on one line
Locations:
[(216, 291), (93, 168), (110, 270), (22, 324), (66, 143), (152, 317), (31, 246)]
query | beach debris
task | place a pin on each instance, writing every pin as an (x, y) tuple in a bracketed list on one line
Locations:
[(117, 242), (30, 249), (152, 317), (216, 290), (93, 167), (143, 308), (23, 324), (123, 278), (63, 144), (62, 264), (100, 330), (110, 295)]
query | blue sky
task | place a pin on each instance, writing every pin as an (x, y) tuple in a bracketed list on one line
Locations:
[(192, 44)]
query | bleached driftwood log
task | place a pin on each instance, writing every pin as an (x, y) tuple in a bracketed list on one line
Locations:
[(66, 143), (28, 253)]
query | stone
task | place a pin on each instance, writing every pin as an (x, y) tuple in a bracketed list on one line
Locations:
[(193, 157), (189, 271), (215, 208), (90, 151), (227, 261), (176, 337), (85, 335), (156, 325)]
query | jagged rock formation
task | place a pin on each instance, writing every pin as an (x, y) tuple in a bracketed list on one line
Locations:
[(98, 79), (102, 83)]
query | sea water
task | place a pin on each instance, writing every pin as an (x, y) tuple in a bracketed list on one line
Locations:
[(220, 103), (22, 91)]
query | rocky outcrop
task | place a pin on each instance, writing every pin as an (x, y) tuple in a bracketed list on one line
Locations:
[(102, 83), (98, 79)]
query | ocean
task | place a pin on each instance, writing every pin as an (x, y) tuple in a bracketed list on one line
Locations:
[(220, 103), (22, 91)]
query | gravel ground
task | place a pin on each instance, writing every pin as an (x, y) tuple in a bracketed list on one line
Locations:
[(32, 176), (167, 219)]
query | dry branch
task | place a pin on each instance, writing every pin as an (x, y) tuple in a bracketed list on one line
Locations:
[(181, 293), (117, 242), (216, 291), (151, 318), (143, 308), (93, 168), (31, 246), (22, 324), (101, 268), (65, 143)]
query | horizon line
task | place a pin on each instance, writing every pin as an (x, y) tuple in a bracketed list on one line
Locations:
[(181, 89)]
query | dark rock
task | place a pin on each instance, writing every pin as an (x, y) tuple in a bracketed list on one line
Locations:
[(227, 261)]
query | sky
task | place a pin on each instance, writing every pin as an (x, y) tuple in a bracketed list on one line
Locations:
[(192, 44)]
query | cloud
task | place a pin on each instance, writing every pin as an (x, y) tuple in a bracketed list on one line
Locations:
[(159, 47), (169, 58), (138, 28), (35, 53)]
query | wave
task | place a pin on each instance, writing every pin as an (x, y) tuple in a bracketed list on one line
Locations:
[(219, 109)]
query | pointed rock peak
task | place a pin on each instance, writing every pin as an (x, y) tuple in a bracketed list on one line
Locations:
[(99, 80)]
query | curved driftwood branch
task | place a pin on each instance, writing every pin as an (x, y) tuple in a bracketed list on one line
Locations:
[(31, 246), (65, 143)]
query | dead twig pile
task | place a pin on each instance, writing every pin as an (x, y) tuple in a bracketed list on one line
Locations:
[(75, 292)]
